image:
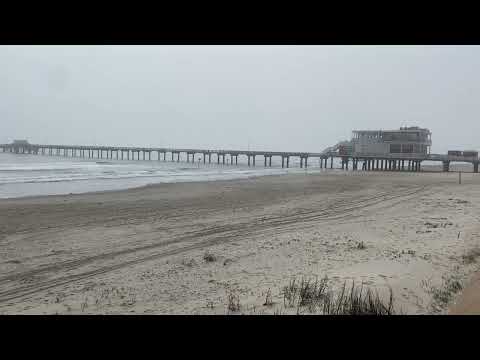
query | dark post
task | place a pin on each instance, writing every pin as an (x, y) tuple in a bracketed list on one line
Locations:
[(446, 166)]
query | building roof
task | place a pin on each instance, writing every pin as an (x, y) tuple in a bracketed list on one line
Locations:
[(403, 130)]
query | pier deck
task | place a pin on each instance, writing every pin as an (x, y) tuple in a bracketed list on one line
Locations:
[(399, 162)]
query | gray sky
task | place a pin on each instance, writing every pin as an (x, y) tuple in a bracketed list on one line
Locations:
[(299, 98)]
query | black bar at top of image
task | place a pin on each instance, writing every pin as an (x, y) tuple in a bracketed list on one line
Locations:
[(200, 24), (320, 27), (123, 37)]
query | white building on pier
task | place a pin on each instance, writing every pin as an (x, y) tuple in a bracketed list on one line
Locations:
[(409, 141)]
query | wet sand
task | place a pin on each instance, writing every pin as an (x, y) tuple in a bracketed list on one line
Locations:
[(142, 250)]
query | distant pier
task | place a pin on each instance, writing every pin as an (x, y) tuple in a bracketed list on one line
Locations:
[(365, 161)]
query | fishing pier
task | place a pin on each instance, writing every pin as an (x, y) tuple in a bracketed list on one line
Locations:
[(394, 150)]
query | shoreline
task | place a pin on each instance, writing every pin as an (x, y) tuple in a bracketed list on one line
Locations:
[(142, 250), (428, 169), (33, 189), (233, 178), (322, 172), (100, 192), (146, 187)]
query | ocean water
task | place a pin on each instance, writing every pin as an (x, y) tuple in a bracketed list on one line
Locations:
[(30, 175)]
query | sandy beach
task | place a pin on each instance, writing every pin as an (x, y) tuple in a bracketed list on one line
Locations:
[(143, 250)]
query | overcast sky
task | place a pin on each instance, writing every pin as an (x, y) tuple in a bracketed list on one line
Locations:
[(298, 98)]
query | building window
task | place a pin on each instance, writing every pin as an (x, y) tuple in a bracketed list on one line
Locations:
[(395, 148), (407, 148)]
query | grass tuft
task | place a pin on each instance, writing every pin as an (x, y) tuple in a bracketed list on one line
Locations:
[(314, 296), (471, 256), (209, 257), (268, 299), (356, 301), (233, 302), (444, 294)]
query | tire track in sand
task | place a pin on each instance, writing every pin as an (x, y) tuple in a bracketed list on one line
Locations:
[(224, 234)]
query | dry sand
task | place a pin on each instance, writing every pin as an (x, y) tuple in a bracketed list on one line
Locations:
[(468, 302), (142, 250)]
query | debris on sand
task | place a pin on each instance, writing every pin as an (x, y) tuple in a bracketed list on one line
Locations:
[(189, 263), (227, 262), (209, 257), (361, 245)]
